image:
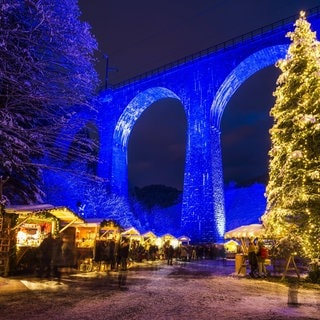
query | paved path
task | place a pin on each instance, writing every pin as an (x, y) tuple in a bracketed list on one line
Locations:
[(196, 290)]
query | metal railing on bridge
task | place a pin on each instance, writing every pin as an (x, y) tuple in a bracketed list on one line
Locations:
[(252, 35)]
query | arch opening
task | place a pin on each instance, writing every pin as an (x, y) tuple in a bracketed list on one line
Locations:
[(244, 129), (245, 144), (248, 67), (156, 148), (123, 129)]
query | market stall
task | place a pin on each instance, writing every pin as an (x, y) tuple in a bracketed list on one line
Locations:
[(184, 240), (149, 237), (169, 239), (231, 248), (133, 235), (95, 240), (151, 245), (35, 223), (86, 234), (244, 234), (109, 230)]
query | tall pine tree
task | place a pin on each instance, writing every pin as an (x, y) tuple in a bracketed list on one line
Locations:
[(293, 190), (47, 77)]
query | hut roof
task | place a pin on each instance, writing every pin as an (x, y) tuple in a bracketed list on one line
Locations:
[(64, 214), (248, 231)]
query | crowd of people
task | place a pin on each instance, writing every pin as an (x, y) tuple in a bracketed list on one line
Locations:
[(56, 253), (112, 253)]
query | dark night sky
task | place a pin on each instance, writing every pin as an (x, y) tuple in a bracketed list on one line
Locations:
[(142, 35)]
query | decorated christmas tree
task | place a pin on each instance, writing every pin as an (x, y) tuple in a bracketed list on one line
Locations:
[(293, 190)]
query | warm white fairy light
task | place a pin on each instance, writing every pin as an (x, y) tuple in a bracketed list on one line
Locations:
[(293, 197)]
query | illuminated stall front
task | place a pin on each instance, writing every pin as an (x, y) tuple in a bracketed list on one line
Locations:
[(133, 235), (244, 234), (86, 234), (169, 239), (35, 222), (184, 240), (92, 235), (231, 248), (110, 230), (148, 238), (32, 233)]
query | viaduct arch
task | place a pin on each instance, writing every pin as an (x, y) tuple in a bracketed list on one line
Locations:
[(203, 84)]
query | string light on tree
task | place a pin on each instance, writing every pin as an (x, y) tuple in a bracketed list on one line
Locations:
[(293, 198)]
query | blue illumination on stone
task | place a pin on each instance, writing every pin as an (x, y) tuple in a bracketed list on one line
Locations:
[(240, 74), (204, 89), (233, 81), (124, 126), (203, 86)]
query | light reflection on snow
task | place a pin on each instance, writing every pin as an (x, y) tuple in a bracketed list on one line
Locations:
[(44, 285)]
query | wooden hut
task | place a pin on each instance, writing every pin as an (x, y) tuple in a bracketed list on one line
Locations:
[(34, 223)]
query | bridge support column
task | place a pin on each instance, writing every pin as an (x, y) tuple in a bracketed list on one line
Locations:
[(217, 186), (119, 178), (202, 217)]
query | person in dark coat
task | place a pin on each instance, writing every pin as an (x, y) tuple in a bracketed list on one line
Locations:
[(112, 254), (57, 259), (170, 252), (45, 256), (252, 258), (124, 254)]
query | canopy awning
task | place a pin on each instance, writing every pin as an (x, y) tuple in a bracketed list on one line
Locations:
[(64, 214), (184, 239), (249, 231)]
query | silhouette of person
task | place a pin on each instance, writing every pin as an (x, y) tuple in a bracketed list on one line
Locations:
[(45, 255), (124, 254), (170, 252), (252, 258)]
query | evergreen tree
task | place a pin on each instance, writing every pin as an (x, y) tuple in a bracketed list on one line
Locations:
[(293, 190), (46, 79)]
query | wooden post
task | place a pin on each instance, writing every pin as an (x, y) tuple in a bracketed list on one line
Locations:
[(290, 259)]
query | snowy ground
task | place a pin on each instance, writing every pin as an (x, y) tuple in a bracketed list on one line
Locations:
[(196, 290)]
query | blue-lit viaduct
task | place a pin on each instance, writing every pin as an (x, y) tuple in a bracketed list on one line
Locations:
[(203, 83)]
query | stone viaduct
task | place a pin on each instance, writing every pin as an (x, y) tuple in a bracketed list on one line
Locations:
[(203, 83)]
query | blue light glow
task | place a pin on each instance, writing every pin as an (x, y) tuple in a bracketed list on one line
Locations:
[(203, 212), (124, 126), (203, 86), (254, 63)]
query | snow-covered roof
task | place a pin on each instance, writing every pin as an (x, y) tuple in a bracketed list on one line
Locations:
[(149, 234), (249, 231), (28, 208), (131, 231), (62, 213), (184, 238), (168, 236)]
